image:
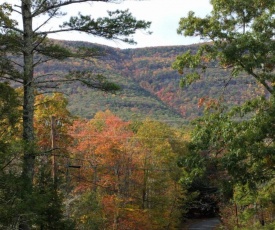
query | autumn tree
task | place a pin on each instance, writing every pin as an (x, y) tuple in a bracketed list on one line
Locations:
[(51, 122), (159, 147), (238, 142), (108, 163), (130, 170)]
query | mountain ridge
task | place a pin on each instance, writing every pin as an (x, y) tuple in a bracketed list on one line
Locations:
[(150, 87)]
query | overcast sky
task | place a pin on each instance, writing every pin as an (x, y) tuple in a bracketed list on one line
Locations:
[(164, 15)]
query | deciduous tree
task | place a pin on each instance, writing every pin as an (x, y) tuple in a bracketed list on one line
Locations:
[(159, 147), (237, 142), (238, 36)]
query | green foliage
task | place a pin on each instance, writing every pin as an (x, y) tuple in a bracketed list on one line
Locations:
[(5, 12), (9, 187), (45, 203), (9, 112), (97, 81), (240, 37), (192, 62), (54, 51), (238, 142), (239, 145), (160, 147), (119, 25), (87, 211)]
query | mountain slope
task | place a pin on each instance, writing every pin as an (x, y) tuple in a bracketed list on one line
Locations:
[(150, 87)]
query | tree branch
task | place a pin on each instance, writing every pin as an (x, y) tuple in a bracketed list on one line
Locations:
[(42, 10), (45, 22), (270, 90)]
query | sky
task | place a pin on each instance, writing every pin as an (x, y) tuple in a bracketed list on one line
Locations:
[(164, 15)]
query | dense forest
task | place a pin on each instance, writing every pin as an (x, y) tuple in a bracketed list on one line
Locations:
[(150, 87), (94, 137)]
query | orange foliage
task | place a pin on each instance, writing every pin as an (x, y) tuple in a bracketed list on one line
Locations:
[(123, 168)]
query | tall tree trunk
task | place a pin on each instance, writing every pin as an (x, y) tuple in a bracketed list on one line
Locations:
[(28, 104)]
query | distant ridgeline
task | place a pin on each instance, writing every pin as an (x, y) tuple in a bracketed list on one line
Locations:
[(150, 87)]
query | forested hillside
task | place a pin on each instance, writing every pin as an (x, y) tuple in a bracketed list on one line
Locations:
[(149, 85)]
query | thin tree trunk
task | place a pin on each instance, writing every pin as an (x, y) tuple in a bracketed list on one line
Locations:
[(53, 145)]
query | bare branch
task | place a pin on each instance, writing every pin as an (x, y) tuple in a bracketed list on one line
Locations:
[(46, 21)]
